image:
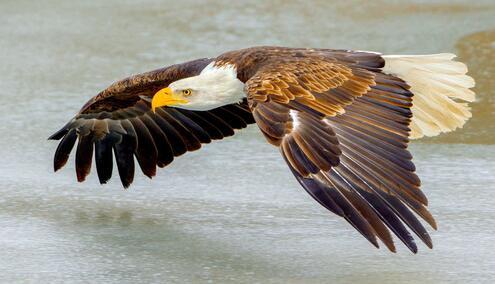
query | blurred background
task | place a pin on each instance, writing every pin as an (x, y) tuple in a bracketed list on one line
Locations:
[(231, 212)]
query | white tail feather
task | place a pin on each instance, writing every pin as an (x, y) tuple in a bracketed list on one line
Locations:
[(439, 85)]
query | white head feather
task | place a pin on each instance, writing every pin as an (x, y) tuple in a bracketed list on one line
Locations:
[(215, 86)]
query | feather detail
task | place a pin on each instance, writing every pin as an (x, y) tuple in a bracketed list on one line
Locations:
[(440, 87)]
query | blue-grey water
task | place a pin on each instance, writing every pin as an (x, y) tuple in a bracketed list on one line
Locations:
[(231, 212)]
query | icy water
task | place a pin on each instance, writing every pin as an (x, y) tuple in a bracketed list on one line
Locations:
[(231, 212)]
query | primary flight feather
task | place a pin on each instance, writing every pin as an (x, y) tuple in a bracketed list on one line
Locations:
[(341, 119)]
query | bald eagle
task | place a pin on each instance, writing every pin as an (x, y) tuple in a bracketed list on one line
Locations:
[(341, 119)]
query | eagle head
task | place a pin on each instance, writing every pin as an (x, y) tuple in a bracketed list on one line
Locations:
[(215, 86)]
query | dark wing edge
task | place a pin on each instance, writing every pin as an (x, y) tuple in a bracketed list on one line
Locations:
[(356, 163), (119, 124)]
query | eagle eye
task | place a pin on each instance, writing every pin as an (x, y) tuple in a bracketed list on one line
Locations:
[(186, 92)]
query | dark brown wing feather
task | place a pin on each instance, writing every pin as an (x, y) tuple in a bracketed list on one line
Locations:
[(120, 118), (342, 128)]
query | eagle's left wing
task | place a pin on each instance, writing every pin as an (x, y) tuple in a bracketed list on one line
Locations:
[(343, 129)]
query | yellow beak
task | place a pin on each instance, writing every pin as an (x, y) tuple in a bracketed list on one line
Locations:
[(166, 97)]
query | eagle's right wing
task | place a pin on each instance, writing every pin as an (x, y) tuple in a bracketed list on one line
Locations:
[(120, 119)]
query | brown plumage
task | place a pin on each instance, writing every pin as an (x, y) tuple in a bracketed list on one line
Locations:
[(340, 122)]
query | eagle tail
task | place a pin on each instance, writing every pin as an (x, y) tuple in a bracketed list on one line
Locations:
[(441, 91)]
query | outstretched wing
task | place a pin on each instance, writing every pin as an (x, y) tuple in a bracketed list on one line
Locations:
[(342, 127), (120, 120)]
